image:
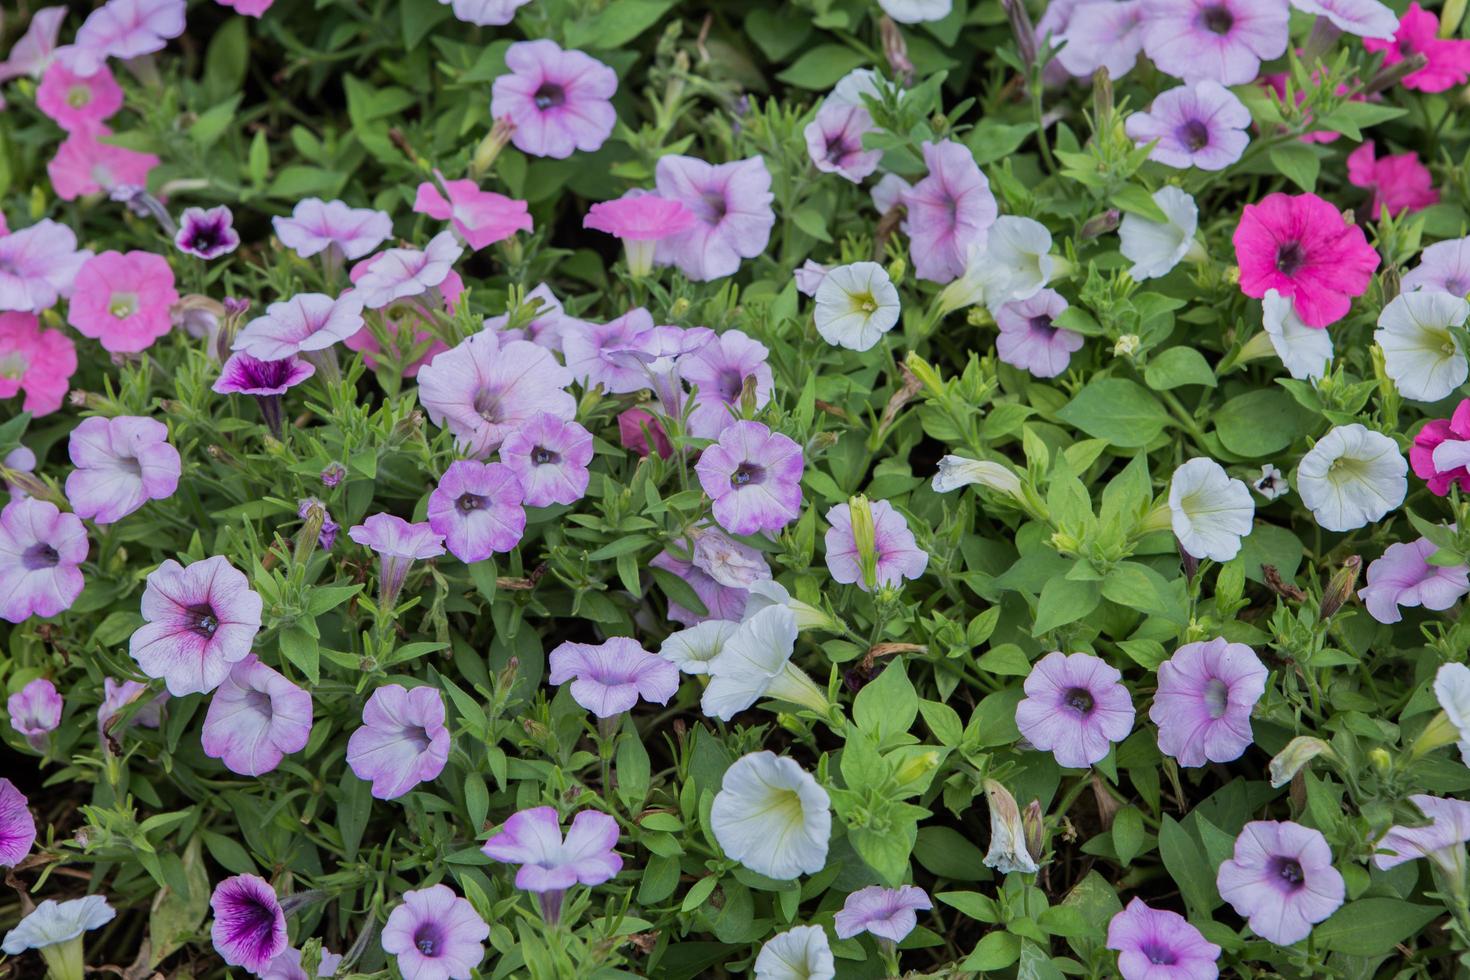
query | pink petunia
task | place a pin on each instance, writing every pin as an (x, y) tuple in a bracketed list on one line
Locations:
[(950, 212), (78, 103), (247, 8), (480, 217), (732, 209), (641, 220), (83, 165), (559, 100), (1448, 62), (123, 300), (1399, 182), (38, 362), (407, 322)]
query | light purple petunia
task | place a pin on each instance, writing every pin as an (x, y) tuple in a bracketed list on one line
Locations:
[(484, 388), (888, 913), (609, 678), (200, 620), (402, 741), (1365, 18), (485, 13), (122, 463), (1156, 944), (1444, 266), (1028, 340), (17, 826), (1222, 41), (256, 718), (435, 935), (477, 507), (249, 926), (398, 545), (1201, 125), (35, 712), (123, 29), (1075, 708), (38, 266), (753, 475), (591, 349), (720, 601), (287, 966), (950, 212), (1440, 840), (116, 696), (732, 202), (316, 225), (834, 141), (400, 273), (560, 101), (41, 552), (550, 865), (303, 324), (207, 233), (898, 555), (1403, 577), (1281, 880), (550, 457), (719, 371), (1104, 34), (656, 354), (1204, 702)]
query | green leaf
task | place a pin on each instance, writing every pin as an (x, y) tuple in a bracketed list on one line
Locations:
[(616, 24), (1135, 199), (227, 59), (996, 951), (777, 31), (1373, 926), (1064, 601), (1127, 834), (1118, 410), (1298, 163), (1261, 422), (1185, 861), (888, 705), (228, 853), (1176, 367), (300, 648), (821, 67)]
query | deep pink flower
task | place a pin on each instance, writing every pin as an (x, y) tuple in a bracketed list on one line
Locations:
[(898, 556), (125, 29), (17, 826), (199, 621), (753, 476), (38, 265), (641, 220), (477, 507), (559, 100), (481, 217), (720, 371), (1156, 944), (121, 464), (633, 423), (550, 456), (1418, 33), (834, 141), (41, 552), (255, 719), (316, 225), (124, 300), (608, 678), (78, 103), (1075, 708), (1203, 706), (1281, 880), (950, 212), (1029, 341), (731, 203), (1300, 246), (1440, 452), (402, 741), (1220, 40), (249, 926), (38, 362), (1399, 182), (84, 166)]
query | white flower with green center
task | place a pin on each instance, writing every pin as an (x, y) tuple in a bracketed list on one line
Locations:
[(54, 929), (772, 817), (1352, 477), (1157, 247), (1209, 511), (802, 953), (1420, 354), (856, 305)]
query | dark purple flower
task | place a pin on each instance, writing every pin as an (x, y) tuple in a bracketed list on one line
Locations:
[(266, 381), (17, 826), (207, 234), (249, 926)]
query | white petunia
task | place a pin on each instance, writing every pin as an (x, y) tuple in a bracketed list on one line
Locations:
[(1013, 265), (691, 650), (960, 471), (1452, 690), (768, 592), (1210, 511), (856, 305), (1352, 477), (916, 11), (772, 816), (1306, 351), (854, 88), (802, 953), (1156, 248), (1425, 360), (51, 928), (1008, 851), (755, 662)]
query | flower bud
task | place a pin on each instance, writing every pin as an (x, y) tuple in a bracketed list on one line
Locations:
[(1127, 345), (1008, 849), (1023, 30), (865, 535), (1100, 224), (1340, 587), (1035, 825), (490, 147), (1298, 752), (960, 471), (917, 767)]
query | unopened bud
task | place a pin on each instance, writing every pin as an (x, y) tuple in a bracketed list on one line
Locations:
[(865, 536), (1290, 760), (895, 49), (490, 147), (1340, 587), (1101, 224), (1390, 75), (680, 309), (334, 474), (917, 767), (314, 516), (1023, 30), (1127, 345), (1035, 826)]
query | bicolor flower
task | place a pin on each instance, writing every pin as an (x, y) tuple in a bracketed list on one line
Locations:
[(560, 101), (1421, 353), (207, 233), (1203, 706), (1075, 707), (435, 935), (256, 718), (551, 864), (1281, 880), (1103, 35), (608, 678), (402, 741), (477, 508), (753, 477), (41, 552), (1352, 477), (856, 305), (249, 925), (1210, 511), (950, 212), (121, 464), (772, 816), (200, 620), (834, 142)]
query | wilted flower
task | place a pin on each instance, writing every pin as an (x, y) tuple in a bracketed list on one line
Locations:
[(200, 620), (435, 935), (1209, 510), (124, 300), (856, 305), (316, 225), (559, 100), (249, 926), (1403, 577), (1281, 879), (17, 826), (477, 508), (1441, 841), (608, 678), (255, 719), (803, 953), (116, 696), (950, 212), (1306, 352), (1008, 852), (1201, 125), (1156, 944), (772, 816), (121, 464), (731, 203), (1421, 354), (402, 741), (35, 712), (1223, 41), (207, 233), (1352, 477), (41, 552), (1204, 701), (1075, 707), (550, 864), (888, 913), (753, 476), (1029, 341)]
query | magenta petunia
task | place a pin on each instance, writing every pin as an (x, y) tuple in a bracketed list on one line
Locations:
[(199, 621), (207, 233), (1156, 944), (17, 826), (550, 457), (477, 507), (834, 141), (124, 300), (1300, 246), (950, 212), (41, 552), (1281, 880), (38, 362), (402, 741), (1404, 578), (480, 217), (1399, 182), (125, 29), (483, 389), (641, 220), (560, 101), (1440, 452), (435, 935), (35, 711), (78, 103), (303, 324), (638, 428), (249, 927), (1206, 693), (121, 464), (719, 371), (1202, 125), (316, 226), (83, 165), (888, 913), (38, 266), (608, 678), (731, 203), (1075, 707), (242, 374), (550, 864), (398, 544), (1029, 341), (753, 477), (256, 718), (1222, 41), (897, 555), (1447, 60)]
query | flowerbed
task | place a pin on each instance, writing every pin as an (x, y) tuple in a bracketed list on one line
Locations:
[(831, 489)]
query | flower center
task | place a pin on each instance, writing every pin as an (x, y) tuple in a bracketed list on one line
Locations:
[(550, 96), (1289, 258), (122, 305), (268, 374), (427, 939), (730, 385), (204, 238), (716, 205), (1160, 955), (1195, 135), (747, 473), (259, 702), (1042, 325), (202, 620), (863, 303), (470, 502), (418, 737), (1217, 19), (1217, 696), (38, 557), (14, 365), (78, 96), (1289, 870), (836, 149), (542, 456), (1457, 286), (487, 404), (1079, 700)]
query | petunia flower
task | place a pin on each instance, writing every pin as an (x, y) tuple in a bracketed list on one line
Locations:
[(38, 266), (121, 464), (124, 300), (692, 649), (1105, 34), (35, 50), (1016, 261), (1271, 484), (642, 433), (1008, 852), (549, 456), (950, 212), (287, 966), (1156, 944), (802, 952), (35, 712), (125, 29), (1365, 18), (1352, 477), (316, 225), (41, 552), (435, 935), (1222, 41), (720, 371), (1421, 353), (265, 381), (590, 350), (1210, 512), (249, 927), (1440, 453), (407, 322), (38, 362), (834, 142), (731, 203), (1200, 125), (1075, 707), (1299, 245), (398, 545), (1452, 691), (485, 13), (256, 718), (477, 508), (480, 217), (640, 220), (17, 826), (1206, 693), (402, 741), (895, 555), (1447, 60), (1155, 248), (1281, 880), (1444, 266), (609, 678), (888, 913), (55, 929), (83, 165), (720, 601), (78, 103), (1442, 840), (1028, 340), (198, 622), (255, 8), (754, 662), (551, 864), (772, 816), (559, 101), (207, 233), (856, 305), (1305, 351), (1404, 578), (400, 273), (1399, 182), (753, 477), (726, 560)]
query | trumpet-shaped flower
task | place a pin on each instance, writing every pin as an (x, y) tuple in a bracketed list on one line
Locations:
[(1404, 578), (200, 620), (803, 953), (35, 712), (1421, 354), (1156, 944), (549, 456), (1306, 352), (1209, 510), (609, 678), (402, 741), (1200, 125), (435, 935), (52, 924), (1352, 477), (772, 816), (316, 225), (398, 545), (485, 13), (121, 464), (1281, 880), (1107, 35), (256, 718), (249, 925), (1203, 706), (1452, 691), (1441, 841), (856, 305), (41, 552), (1075, 707), (480, 217), (720, 372), (753, 475), (303, 324), (692, 649), (125, 29), (731, 203), (641, 220), (754, 662), (1154, 247)]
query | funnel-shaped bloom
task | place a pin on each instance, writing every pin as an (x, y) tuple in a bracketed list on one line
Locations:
[(256, 718), (249, 926), (402, 741), (772, 816), (200, 620)]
